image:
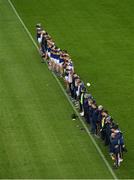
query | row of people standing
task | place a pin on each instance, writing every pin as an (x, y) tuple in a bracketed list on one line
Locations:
[(101, 123)]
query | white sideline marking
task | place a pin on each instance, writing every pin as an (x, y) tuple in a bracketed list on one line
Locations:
[(84, 125)]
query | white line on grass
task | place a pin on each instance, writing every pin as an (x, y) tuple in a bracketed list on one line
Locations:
[(84, 125)]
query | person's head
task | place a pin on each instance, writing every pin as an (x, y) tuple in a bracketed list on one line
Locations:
[(87, 96), (100, 107), (38, 25), (83, 89), (116, 126), (113, 135), (49, 37), (104, 113), (44, 34), (108, 119), (115, 129), (64, 51), (78, 80), (90, 101), (94, 105), (75, 75)]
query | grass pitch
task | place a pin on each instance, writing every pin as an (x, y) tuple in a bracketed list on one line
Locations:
[(38, 138)]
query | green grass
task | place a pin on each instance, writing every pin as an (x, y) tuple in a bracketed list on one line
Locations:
[(100, 37), (38, 138)]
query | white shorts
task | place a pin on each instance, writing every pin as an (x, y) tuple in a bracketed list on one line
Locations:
[(49, 54), (66, 78), (39, 40), (52, 59), (58, 61)]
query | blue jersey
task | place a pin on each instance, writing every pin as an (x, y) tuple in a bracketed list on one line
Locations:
[(52, 54), (57, 56), (49, 49), (61, 60)]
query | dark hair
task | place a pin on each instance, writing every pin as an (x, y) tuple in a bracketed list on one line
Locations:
[(105, 111), (65, 51), (116, 126)]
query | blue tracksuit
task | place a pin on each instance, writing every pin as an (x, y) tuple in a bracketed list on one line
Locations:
[(94, 120)]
